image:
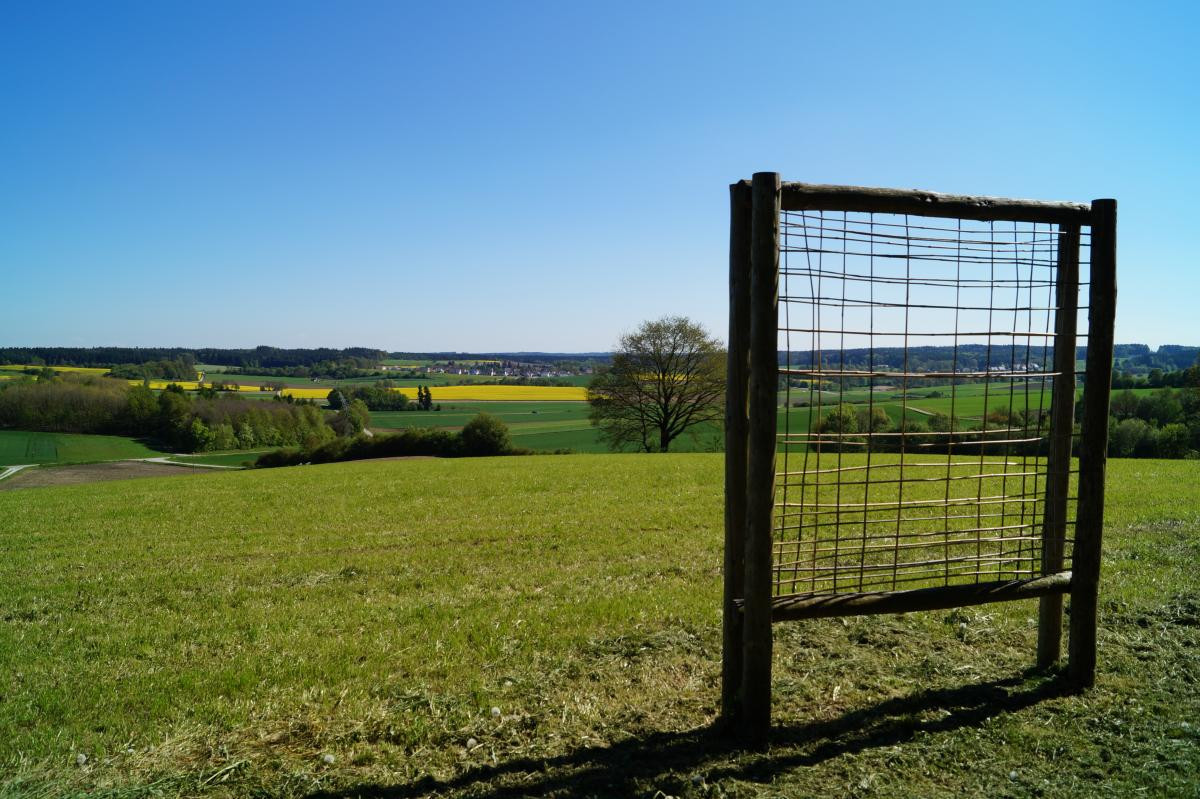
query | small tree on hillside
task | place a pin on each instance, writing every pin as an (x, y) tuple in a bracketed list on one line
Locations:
[(351, 419), (667, 377), (486, 435)]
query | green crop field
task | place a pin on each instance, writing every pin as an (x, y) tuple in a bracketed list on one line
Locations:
[(535, 425), (233, 458), (456, 414), (543, 426), (19, 446), (967, 402), (582, 438), (544, 626)]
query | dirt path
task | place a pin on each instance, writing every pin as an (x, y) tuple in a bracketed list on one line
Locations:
[(9, 471), (92, 473), (167, 460)]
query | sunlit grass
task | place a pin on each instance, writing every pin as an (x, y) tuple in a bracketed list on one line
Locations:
[(221, 635)]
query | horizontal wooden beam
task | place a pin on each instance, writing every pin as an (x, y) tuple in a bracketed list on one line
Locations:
[(818, 197), (809, 606)]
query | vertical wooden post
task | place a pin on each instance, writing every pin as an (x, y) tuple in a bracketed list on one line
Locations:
[(1058, 460), (755, 716), (1093, 447), (736, 385)]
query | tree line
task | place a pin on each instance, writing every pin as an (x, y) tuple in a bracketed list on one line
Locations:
[(485, 435), (339, 369), (1157, 378), (180, 368), (1163, 424), (381, 396), (267, 357), (259, 357), (174, 418)]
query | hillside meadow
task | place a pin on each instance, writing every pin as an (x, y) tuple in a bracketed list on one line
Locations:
[(25, 447), (543, 626)]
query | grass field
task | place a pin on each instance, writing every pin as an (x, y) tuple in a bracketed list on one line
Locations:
[(457, 414), (968, 400), (545, 426), (238, 458), (535, 425), (19, 446), (541, 626)]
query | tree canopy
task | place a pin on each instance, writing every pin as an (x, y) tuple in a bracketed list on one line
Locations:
[(667, 377)]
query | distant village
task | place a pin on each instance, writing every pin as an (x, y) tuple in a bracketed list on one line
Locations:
[(497, 369)]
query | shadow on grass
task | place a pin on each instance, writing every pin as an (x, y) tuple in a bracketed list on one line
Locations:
[(667, 760), (156, 444)]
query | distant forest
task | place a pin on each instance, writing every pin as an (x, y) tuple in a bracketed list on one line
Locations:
[(1137, 366), (269, 357), (1134, 358), (262, 357)]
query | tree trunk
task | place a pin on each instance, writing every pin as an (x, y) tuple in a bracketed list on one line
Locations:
[(664, 440)]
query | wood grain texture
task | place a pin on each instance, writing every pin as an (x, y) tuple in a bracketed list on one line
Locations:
[(1093, 447), (1058, 461), (818, 197), (936, 598), (755, 712), (736, 422)]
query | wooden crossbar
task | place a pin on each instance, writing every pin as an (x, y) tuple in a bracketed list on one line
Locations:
[(814, 606), (815, 197)]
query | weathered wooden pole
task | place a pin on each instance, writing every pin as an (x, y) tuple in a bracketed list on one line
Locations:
[(1062, 420), (754, 719), (1093, 446), (736, 385)]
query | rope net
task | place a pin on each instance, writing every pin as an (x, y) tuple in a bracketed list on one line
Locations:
[(916, 368)]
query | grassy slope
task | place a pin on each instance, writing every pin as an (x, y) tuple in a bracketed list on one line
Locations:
[(235, 458), (219, 635), (456, 414), (543, 426), (19, 446)]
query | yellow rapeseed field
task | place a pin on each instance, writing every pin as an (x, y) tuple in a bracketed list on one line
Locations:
[(87, 370), (307, 393), (192, 385), (245, 386), (186, 385), (512, 393)]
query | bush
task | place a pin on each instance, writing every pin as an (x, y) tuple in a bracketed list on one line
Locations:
[(280, 457), (483, 435), (486, 435)]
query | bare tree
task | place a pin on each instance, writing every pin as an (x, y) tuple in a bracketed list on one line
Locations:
[(666, 378)]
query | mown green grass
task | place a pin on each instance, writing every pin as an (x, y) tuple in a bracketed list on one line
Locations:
[(456, 414), (20, 446), (237, 458), (220, 635), (579, 439), (540, 426), (967, 401)]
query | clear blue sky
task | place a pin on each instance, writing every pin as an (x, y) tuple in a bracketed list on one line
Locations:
[(541, 176)]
